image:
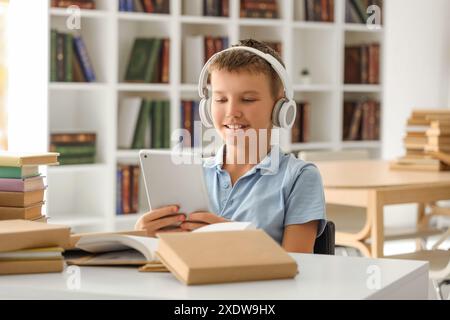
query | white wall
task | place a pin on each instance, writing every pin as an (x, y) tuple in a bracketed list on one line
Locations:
[(417, 64), (417, 74)]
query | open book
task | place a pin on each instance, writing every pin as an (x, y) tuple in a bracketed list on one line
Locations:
[(120, 249)]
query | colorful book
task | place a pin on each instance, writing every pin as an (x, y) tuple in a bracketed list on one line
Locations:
[(22, 185), (19, 172), (26, 213), (85, 62), (21, 199), (12, 159)]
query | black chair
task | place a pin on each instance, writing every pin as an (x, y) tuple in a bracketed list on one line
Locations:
[(326, 242)]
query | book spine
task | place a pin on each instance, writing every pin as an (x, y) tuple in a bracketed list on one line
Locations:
[(64, 160), (73, 150), (68, 53), (306, 121), (53, 56), (135, 190), (165, 61), (60, 57), (119, 191), (126, 184), (73, 137), (90, 4), (166, 125), (122, 6), (81, 51)]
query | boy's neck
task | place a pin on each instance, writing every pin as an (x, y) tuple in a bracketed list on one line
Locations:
[(244, 157)]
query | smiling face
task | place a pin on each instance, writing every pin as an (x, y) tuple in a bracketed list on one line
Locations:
[(241, 101)]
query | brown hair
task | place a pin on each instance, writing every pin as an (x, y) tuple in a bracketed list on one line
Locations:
[(240, 60)]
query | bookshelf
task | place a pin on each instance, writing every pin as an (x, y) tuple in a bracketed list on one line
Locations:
[(84, 196)]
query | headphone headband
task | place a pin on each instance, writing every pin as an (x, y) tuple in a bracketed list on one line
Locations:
[(276, 65)]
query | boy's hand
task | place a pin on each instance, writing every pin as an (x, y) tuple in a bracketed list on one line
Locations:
[(200, 219), (157, 220)]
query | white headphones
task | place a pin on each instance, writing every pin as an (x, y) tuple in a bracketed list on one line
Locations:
[(285, 109)]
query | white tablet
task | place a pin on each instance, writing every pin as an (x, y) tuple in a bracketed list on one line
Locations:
[(173, 179)]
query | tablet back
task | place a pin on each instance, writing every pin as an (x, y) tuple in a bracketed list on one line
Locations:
[(169, 181)]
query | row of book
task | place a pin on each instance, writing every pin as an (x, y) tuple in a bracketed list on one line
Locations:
[(22, 186), (149, 61), (148, 6), (28, 247), (197, 50), (127, 192), (82, 4), (427, 141), (190, 121), (362, 64), (216, 8), (319, 10), (143, 124), (356, 10), (361, 120), (74, 147), (267, 9), (300, 132), (69, 59)]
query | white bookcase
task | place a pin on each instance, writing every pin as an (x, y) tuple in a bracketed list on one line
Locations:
[(84, 196)]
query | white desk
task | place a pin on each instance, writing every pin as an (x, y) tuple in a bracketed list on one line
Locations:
[(320, 277)]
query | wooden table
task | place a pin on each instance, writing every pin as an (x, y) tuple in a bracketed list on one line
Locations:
[(372, 185)]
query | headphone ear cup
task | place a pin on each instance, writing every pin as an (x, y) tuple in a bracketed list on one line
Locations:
[(287, 114), (276, 112), (205, 113)]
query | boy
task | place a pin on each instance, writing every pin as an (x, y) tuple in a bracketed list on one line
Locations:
[(278, 193)]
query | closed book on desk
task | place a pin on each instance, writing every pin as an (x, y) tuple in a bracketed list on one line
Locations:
[(10, 159), (21, 199), (24, 234), (22, 185), (218, 257), (28, 213), (31, 266)]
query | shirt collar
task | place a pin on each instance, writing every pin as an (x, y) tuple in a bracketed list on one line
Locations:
[(269, 165)]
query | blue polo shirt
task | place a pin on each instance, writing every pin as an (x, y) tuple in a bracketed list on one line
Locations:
[(279, 191)]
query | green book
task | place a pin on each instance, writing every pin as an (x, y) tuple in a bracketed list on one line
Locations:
[(68, 56), (74, 150), (19, 172), (361, 9), (152, 74), (139, 131), (139, 60), (53, 36), (157, 125), (76, 160), (166, 124)]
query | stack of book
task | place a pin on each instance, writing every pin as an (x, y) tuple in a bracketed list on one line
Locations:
[(74, 147), (149, 61), (148, 6), (32, 247), (319, 10), (427, 141), (21, 185), (82, 4), (361, 120), (127, 193), (356, 10), (362, 64), (197, 50), (143, 124), (69, 59), (259, 9), (300, 132)]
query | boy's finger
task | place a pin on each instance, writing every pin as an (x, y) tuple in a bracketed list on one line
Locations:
[(205, 217), (192, 225), (164, 222), (159, 213)]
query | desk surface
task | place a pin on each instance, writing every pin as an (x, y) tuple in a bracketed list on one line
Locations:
[(373, 174), (320, 277)]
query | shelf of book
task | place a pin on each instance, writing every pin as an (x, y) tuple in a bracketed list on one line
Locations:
[(308, 41)]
